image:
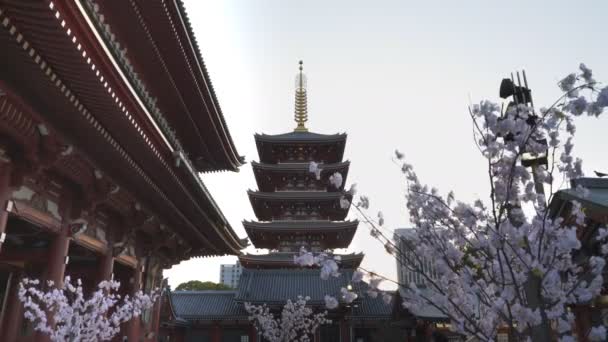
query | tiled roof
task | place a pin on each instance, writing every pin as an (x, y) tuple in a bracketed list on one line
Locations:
[(597, 195), (288, 256), (427, 312), (283, 260), (289, 225), (274, 287), (301, 166), (207, 305), (369, 307), (300, 137)]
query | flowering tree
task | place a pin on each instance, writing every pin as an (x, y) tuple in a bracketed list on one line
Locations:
[(296, 323), (64, 314), (507, 262)]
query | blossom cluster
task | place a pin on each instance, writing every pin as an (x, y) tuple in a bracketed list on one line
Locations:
[(64, 314), (297, 322), (329, 267), (509, 262)]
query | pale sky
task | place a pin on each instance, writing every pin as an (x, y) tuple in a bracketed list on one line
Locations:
[(391, 74)]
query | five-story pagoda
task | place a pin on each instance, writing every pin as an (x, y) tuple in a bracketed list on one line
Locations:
[(297, 208)]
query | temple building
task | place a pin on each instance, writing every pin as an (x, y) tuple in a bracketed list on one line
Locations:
[(107, 117), (294, 208)]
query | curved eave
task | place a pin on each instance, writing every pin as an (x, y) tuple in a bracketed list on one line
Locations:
[(268, 234), (300, 137), (223, 230), (332, 208), (161, 33), (229, 147), (300, 225), (112, 142), (298, 167), (278, 173), (271, 261), (265, 142), (305, 196)]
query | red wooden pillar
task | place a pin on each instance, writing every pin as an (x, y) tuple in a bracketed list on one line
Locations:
[(582, 321), (106, 261), (178, 335), (318, 335), (344, 331), (106, 267), (134, 328), (216, 333), (408, 335), (156, 314), (13, 318), (428, 331), (58, 251), (253, 334), (55, 267), (5, 193)]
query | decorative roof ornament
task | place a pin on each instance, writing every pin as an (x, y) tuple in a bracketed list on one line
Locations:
[(301, 109)]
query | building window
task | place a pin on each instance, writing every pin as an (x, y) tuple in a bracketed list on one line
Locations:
[(244, 338)]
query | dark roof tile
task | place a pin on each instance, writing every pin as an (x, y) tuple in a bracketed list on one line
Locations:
[(206, 305)]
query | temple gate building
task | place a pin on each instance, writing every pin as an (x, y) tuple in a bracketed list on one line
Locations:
[(107, 116), (294, 208)]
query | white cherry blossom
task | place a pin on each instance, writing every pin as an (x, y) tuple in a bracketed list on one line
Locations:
[(76, 318)]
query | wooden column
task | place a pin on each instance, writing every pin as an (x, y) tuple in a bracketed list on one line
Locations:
[(408, 335), (13, 318), (5, 193), (106, 266), (582, 322), (57, 253), (134, 328), (178, 335), (55, 267), (344, 331), (155, 327), (216, 333), (253, 333)]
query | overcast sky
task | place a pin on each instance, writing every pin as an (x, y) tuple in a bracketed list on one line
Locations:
[(391, 74)]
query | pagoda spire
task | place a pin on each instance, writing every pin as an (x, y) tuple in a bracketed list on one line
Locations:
[(301, 109)]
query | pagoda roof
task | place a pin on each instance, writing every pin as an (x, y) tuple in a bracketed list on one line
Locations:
[(329, 201), (295, 195), (336, 234), (291, 225), (300, 137), (284, 260), (290, 167), (328, 147), (270, 177)]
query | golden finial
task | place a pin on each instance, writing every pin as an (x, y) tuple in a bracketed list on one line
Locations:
[(301, 111)]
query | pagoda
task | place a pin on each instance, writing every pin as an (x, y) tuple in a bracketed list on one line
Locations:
[(296, 208)]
